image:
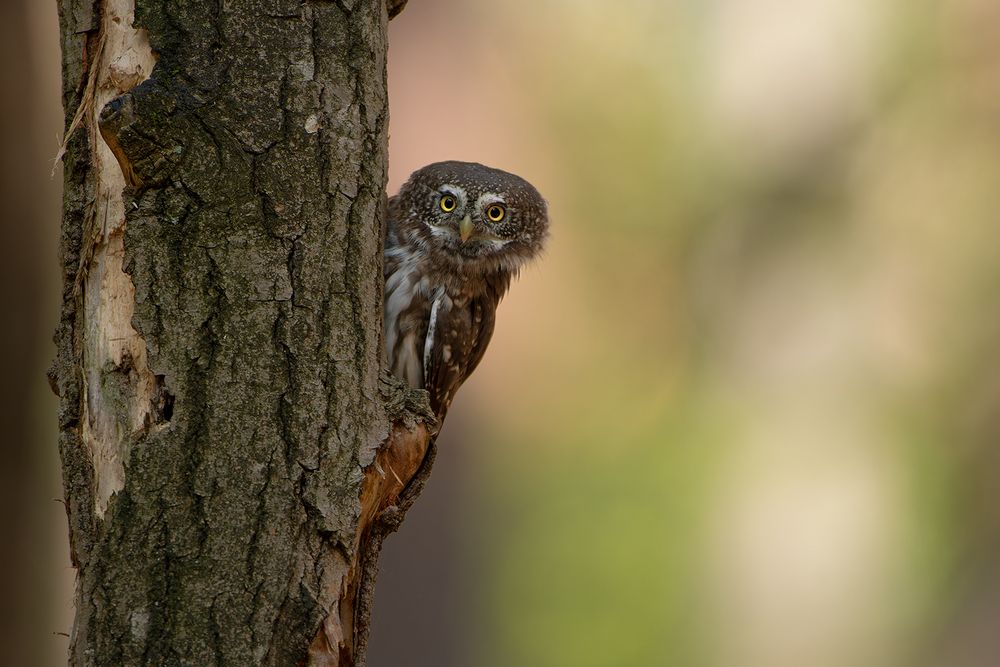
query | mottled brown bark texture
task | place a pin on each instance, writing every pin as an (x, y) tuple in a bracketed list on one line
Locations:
[(215, 487)]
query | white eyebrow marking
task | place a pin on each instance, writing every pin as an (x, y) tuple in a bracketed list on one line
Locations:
[(454, 190), (488, 198)]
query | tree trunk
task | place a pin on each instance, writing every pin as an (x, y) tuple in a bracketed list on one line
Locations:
[(219, 351)]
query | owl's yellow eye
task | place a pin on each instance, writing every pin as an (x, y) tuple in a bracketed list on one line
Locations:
[(495, 212), (448, 203)]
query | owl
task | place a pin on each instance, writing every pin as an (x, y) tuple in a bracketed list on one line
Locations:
[(457, 234)]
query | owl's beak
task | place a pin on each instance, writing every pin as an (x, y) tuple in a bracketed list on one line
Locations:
[(465, 228)]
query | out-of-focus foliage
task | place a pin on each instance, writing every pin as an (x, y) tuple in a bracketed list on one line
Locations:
[(741, 415)]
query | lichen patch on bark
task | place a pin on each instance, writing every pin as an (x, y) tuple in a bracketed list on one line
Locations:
[(121, 393)]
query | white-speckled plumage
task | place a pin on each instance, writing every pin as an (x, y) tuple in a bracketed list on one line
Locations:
[(442, 288)]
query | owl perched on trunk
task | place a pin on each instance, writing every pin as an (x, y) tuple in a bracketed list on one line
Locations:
[(458, 232)]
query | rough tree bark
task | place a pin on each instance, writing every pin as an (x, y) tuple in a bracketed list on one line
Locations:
[(232, 454)]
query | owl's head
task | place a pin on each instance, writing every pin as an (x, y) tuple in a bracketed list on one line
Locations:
[(479, 218)]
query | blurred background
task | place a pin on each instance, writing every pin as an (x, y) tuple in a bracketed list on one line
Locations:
[(746, 411)]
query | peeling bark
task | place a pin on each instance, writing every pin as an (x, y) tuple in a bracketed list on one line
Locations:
[(119, 391), (232, 455)]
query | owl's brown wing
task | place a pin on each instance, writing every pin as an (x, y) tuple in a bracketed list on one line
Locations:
[(457, 336)]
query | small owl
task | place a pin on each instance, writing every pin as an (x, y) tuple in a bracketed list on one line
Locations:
[(457, 233)]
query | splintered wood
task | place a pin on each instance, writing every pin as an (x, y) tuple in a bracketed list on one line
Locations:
[(117, 379), (396, 463)]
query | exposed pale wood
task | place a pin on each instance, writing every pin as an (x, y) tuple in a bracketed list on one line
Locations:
[(112, 411), (395, 465)]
